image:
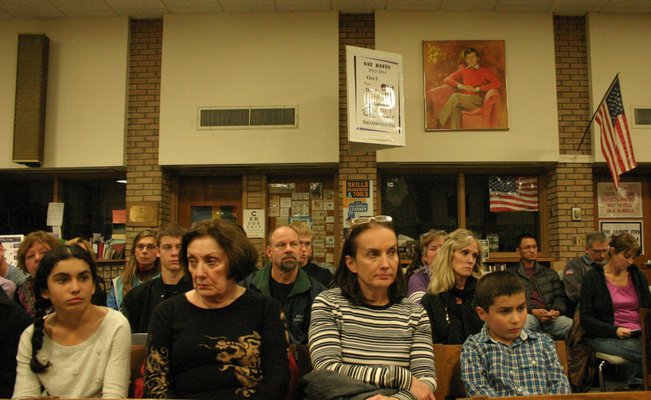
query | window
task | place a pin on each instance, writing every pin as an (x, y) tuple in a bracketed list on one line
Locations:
[(418, 203)]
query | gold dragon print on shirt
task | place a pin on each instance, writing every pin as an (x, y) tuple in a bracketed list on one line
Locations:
[(243, 356), (157, 367)]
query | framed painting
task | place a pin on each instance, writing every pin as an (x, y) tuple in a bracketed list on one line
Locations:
[(465, 85)]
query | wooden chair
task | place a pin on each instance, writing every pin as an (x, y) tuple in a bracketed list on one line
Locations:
[(561, 350), (645, 320), (448, 371)]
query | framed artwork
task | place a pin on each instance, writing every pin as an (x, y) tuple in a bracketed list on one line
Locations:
[(465, 85)]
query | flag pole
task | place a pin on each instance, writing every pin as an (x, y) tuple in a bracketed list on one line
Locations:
[(595, 113)]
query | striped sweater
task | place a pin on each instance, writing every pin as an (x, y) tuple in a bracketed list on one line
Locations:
[(383, 346)]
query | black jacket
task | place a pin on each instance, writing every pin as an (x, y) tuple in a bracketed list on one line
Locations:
[(13, 321), (597, 313), (549, 285)]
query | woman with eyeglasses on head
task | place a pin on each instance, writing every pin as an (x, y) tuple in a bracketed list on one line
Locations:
[(366, 338), (610, 302), (419, 272), (450, 299), (79, 350), (143, 266)]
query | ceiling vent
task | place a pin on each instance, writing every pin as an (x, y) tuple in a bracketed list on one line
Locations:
[(248, 117)]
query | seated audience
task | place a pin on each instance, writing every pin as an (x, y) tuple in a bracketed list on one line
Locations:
[(142, 266), (546, 300), (8, 271), (611, 298), (220, 340), (30, 253), (80, 350), (13, 322), (99, 297), (8, 287), (450, 301), (596, 252), (139, 304), (305, 237), (505, 358), (419, 272), (366, 337), (286, 282)]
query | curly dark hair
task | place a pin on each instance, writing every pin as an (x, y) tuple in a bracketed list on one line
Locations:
[(45, 267)]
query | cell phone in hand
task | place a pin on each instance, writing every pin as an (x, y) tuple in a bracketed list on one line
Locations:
[(635, 333)]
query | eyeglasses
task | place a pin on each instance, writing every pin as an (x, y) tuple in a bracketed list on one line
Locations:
[(383, 219), (142, 247), (527, 248)]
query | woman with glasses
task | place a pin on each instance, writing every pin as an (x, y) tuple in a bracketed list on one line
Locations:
[(450, 299), (419, 272), (366, 338), (610, 302), (143, 266)]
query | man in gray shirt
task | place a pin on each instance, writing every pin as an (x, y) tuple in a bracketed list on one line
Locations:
[(596, 252)]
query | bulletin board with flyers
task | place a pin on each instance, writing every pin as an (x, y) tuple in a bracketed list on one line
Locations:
[(311, 200)]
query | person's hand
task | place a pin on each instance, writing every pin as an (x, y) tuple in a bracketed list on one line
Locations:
[(380, 397), (421, 390), (553, 314), (468, 88), (541, 314), (623, 333)]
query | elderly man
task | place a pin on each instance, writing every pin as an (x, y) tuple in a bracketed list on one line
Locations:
[(285, 281), (596, 252)]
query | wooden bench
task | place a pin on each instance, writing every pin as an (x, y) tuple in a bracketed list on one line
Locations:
[(575, 396), (448, 369)]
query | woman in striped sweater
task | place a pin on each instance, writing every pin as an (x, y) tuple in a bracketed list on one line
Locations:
[(366, 338)]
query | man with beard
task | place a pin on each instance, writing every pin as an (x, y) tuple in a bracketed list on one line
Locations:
[(286, 282)]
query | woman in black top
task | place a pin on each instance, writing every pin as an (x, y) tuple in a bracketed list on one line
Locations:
[(450, 297), (610, 302), (220, 340)]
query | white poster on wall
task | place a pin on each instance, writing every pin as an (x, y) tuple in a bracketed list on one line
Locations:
[(254, 223), (11, 243), (375, 97), (623, 203)]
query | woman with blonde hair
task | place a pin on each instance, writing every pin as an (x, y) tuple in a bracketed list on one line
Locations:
[(143, 265), (450, 299), (419, 272)]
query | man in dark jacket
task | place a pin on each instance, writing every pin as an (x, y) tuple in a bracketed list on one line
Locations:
[(546, 299), (285, 281), (13, 321)]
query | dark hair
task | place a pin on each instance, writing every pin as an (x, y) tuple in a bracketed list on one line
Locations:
[(347, 281), (625, 242), (494, 284), (593, 237), (471, 50), (45, 267), (173, 230), (523, 236), (242, 255), (425, 239)]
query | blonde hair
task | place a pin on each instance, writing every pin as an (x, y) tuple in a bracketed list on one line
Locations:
[(442, 272), (130, 271), (301, 228), (84, 244)]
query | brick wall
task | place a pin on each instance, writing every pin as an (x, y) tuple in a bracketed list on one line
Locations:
[(146, 181), (354, 30), (571, 184)]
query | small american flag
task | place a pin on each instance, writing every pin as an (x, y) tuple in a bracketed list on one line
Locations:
[(513, 193), (616, 144)]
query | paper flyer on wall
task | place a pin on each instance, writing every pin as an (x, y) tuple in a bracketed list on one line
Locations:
[(358, 200)]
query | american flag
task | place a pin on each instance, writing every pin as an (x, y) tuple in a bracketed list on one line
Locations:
[(616, 144), (513, 193)]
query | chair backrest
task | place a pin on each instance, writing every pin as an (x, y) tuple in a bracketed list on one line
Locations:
[(561, 350), (448, 371), (645, 321), (137, 359)]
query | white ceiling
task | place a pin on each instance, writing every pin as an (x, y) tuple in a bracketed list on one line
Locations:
[(29, 9)]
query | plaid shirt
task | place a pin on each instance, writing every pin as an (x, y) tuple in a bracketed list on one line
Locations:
[(530, 366)]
